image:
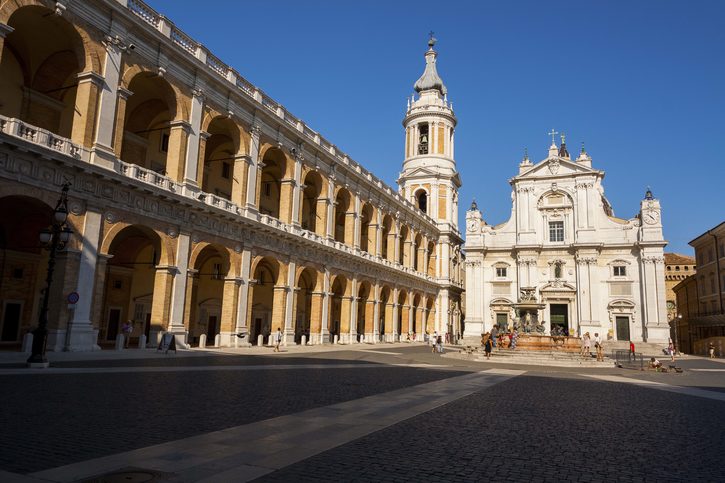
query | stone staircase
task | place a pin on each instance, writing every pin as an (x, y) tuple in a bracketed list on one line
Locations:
[(536, 358)]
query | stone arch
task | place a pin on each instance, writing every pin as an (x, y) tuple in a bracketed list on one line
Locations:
[(41, 61), (343, 226), (146, 135), (385, 322), (166, 251), (367, 228), (364, 310), (267, 301), (306, 284), (270, 194), (401, 324), (387, 246), (222, 168), (432, 259), (313, 209), (206, 295)]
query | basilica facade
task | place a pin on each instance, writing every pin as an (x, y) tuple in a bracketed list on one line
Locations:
[(564, 263), (200, 206)]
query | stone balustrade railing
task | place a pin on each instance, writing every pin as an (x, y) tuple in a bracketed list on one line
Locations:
[(42, 137), (191, 47)]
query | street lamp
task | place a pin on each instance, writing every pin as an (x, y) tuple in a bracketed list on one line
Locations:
[(677, 340), (53, 239)]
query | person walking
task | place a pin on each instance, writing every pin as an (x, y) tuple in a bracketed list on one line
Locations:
[(711, 350), (433, 341), (514, 338), (127, 329), (277, 339), (494, 335), (671, 350), (439, 344)]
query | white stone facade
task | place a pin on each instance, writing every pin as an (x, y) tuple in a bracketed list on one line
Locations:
[(565, 251)]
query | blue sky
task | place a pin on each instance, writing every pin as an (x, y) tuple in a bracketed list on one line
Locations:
[(642, 84)]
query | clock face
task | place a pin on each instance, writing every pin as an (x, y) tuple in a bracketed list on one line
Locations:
[(472, 225), (651, 217)]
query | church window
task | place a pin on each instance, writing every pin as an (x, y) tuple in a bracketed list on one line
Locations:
[(501, 272), (557, 270), (556, 231), (423, 138), (620, 271), (226, 170)]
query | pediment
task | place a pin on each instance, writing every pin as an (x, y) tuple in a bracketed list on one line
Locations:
[(557, 167), (420, 172), (558, 286)]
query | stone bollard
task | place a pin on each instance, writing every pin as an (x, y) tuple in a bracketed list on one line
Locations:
[(202, 341), (260, 340), (120, 341), (27, 343), (304, 340), (217, 340), (142, 341), (336, 339)]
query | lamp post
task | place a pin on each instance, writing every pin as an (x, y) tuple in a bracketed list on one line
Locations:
[(52, 239), (677, 340)]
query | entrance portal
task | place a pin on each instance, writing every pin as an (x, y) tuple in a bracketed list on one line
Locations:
[(622, 328), (559, 316)]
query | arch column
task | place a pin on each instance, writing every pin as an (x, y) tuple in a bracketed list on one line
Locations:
[(396, 245), (394, 329), (379, 234), (325, 317), (316, 317), (254, 170), (290, 312), (288, 190), (279, 299), (356, 223), (102, 144), (375, 333), (297, 191), (330, 228), (191, 173), (345, 308), (353, 310), (243, 300), (241, 165), (230, 303), (351, 221), (321, 222), (81, 335), (176, 157), (121, 100)]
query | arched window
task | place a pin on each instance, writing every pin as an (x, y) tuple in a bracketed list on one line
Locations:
[(421, 198), (423, 138)]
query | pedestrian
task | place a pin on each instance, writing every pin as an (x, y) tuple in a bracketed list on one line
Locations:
[(711, 350), (439, 344), (277, 339), (127, 329), (598, 347), (632, 353), (514, 338), (488, 345), (671, 350), (494, 335), (433, 341), (587, 341)]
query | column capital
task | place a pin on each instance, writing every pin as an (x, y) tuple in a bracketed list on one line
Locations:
[(124, 93), (90, 76), (181, 124)]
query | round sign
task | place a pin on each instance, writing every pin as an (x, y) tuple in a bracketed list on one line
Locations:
[(73, 297)]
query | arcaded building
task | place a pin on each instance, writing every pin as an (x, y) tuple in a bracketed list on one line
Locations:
[(199, 205)]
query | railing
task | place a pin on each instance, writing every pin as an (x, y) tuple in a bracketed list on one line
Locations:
[(147, 176), (42, 137), (148, 14), (184, 41)]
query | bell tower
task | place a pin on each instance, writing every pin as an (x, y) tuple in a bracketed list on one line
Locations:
[(429, 178), (430, 181)]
